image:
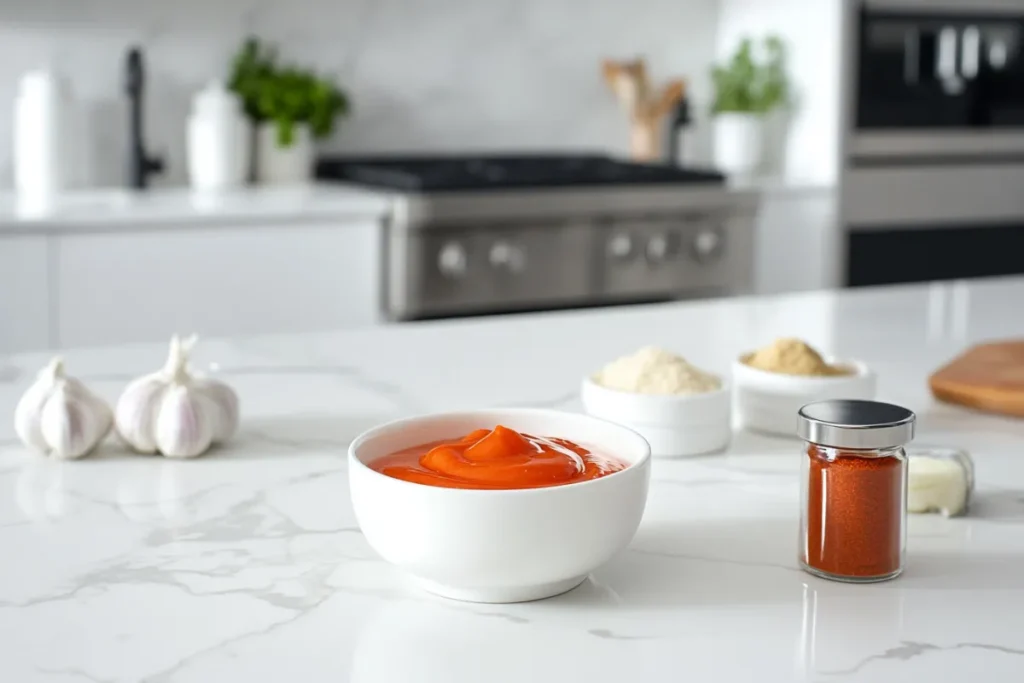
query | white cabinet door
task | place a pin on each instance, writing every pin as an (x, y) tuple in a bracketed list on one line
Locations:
[(216, 281), (796, 242), (24, 294)]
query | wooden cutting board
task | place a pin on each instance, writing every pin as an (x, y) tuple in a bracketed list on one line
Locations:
[(987, 377)]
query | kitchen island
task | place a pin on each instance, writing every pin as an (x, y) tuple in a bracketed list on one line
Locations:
[(247, 564)]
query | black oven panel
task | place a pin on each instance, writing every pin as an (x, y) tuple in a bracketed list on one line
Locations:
[(939, 71)]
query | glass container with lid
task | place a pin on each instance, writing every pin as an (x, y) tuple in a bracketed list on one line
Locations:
[(940, 479), (854, 489)]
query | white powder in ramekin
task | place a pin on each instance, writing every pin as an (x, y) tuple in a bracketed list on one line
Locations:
[(655, 371)]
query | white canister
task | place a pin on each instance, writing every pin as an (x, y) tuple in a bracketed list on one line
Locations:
[(284, 165), (738, 142), (40, 136), (218, 140)]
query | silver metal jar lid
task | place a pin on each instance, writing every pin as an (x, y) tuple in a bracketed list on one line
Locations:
[(855, 424)]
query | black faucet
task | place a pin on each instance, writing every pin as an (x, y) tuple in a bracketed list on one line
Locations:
[(140, 164), (677, 121)]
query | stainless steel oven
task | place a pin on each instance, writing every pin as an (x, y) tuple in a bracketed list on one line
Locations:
[(482, 234), (932, 177)]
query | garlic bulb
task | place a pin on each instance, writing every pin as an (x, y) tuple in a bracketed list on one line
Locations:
[(59, 416), (175, 413)]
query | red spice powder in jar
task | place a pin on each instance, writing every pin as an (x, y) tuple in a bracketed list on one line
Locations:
[(854, 513)]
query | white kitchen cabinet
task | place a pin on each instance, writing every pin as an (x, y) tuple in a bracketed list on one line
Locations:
[(216, 281), (795, 244), (24, 294)]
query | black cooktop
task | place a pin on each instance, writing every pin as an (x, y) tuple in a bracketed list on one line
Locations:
[(479, 173)]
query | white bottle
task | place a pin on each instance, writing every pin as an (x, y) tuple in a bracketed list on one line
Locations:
[(218, 140), (41, 153)]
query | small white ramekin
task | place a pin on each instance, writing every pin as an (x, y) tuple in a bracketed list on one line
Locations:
[(768, 401), (674, 424)]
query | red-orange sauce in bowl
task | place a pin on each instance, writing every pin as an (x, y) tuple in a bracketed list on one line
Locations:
[(499, 458)]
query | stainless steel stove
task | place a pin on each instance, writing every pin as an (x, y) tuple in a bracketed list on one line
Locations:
[(479, 235)]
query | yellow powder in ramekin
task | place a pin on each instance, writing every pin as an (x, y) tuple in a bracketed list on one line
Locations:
[(793, 357)]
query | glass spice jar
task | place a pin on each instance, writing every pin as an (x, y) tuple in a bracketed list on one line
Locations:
[(853, 509)]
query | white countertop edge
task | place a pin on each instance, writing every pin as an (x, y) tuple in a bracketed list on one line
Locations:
[(119, 209), (116, 209), (777, 186)]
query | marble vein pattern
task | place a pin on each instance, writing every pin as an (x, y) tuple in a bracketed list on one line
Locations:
[(248, 564)]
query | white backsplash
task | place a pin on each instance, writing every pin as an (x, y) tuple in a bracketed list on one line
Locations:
[(448, 75)]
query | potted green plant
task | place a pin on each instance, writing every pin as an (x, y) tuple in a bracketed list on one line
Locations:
[(289, 106), (746, 89)]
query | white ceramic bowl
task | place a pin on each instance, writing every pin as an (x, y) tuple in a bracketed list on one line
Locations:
[(768, 401), (499, 545), (674, 425)]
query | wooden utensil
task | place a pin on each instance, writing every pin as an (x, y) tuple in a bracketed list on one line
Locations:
[(987, 377), (646, 109)]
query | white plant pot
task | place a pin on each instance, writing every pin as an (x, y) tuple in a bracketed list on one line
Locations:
[(283, 165), (738, 143)]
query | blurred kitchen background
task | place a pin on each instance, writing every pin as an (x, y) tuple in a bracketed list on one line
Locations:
[(471, 157), (448, 76)]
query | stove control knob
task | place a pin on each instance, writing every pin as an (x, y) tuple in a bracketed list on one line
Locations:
[(451, 260), (707, 245), (620, 246), (508, 256), (657, 249)]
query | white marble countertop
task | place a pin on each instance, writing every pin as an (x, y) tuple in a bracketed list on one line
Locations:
[(118, 209), (247, 565)]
